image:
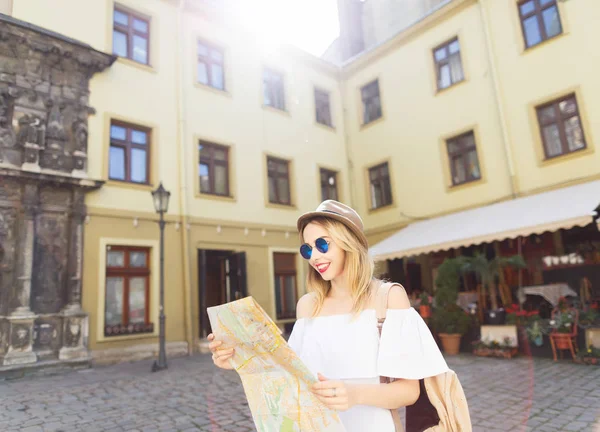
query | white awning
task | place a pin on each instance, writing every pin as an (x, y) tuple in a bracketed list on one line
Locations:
[(549, 211)]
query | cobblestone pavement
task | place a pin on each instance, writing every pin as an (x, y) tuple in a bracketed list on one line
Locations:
[(192, 395)]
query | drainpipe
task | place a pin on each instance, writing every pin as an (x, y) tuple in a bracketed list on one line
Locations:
[(182, 178), (346, 134), (498, 98)]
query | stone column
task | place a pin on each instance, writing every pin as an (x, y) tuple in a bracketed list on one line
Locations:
[(75, 260), (74, 318), (25, 266), (21, 319)]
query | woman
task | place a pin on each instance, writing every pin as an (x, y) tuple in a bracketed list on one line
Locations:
[(336, 334)]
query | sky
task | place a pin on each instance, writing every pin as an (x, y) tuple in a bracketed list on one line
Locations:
[(308, 24)]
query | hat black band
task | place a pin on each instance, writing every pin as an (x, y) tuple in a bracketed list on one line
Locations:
[(336, 213)]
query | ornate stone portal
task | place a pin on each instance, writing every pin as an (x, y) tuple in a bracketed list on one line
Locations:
[(44, 92)]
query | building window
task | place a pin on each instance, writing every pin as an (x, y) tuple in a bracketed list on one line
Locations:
[(540, 20), (273, 88), (286, 291), (279, 181), (323, 108), (560, 126), (131, 35), (462, 155), (127, 291), (129, 158), (328, 184), (213, 168), (448, 64), (371, 102), (381, 189), (211, 71)]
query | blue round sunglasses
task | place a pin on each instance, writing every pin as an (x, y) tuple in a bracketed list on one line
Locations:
[(321, 245)]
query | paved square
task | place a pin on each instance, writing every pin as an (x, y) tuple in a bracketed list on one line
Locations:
[(192, 395)]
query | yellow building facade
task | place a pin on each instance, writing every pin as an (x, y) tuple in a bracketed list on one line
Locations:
[(247, 136)]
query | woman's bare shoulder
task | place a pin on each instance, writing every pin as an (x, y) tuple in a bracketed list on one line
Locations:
[(398, 299), (306, 305)]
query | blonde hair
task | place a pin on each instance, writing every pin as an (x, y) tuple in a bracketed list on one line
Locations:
[(359, 266)]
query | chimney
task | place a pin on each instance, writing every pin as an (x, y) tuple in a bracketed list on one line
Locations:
[(352, 40)]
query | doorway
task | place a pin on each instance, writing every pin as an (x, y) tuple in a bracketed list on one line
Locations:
[(221, 279)]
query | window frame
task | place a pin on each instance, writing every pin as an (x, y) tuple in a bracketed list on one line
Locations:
[(380, 178), (130, 31), (126, 272), (268, 88), (281, 274), (559, 121), (462, 153), (277, 175), (212, 162), (209, 61), (374, 82), (128, 145), (446, 62), (325, 98), (323, 181), (537, 12)]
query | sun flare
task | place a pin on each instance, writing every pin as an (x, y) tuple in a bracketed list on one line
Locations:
[(308, 24)]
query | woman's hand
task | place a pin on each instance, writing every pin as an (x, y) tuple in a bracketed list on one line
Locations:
[(220, 356), (336, 395)]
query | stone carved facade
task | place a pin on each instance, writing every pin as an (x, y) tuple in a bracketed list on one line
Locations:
[(44, 92)]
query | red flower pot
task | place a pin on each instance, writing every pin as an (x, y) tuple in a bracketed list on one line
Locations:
[(562, 342), (425, 311)]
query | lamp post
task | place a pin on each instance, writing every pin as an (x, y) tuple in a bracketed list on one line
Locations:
[(160, 197)]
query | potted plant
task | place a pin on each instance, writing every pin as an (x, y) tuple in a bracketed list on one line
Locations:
[(589, 323), (425, 305), (451, 323), (588, 318), (561, 325), (487, 271), (590, 356), (495, 349), (449, 320)]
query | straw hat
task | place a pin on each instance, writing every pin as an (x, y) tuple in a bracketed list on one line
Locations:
[(340, 212)]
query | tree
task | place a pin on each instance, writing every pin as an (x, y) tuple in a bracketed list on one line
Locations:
[(488, 270)]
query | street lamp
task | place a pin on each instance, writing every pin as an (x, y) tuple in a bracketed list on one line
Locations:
[(161, 205)]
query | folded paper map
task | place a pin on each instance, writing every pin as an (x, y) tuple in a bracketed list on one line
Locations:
[(276, 382)]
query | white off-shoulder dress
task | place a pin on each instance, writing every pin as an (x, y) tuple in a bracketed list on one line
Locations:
[(347, 347)]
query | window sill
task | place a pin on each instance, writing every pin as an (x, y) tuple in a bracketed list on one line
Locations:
[(281, 206), (446, 89), (326, 127), (364, 126), (107, 339), (214, 197), (129, 330), (381, 208), (466, 185), (129, 185), (214, 90), (283, 112), (133, 63), (566, 157), (526, 50)]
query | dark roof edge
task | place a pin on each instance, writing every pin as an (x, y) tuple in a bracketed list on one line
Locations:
[(43, 31)]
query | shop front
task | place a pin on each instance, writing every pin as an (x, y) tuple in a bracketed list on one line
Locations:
[(556, 236)]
